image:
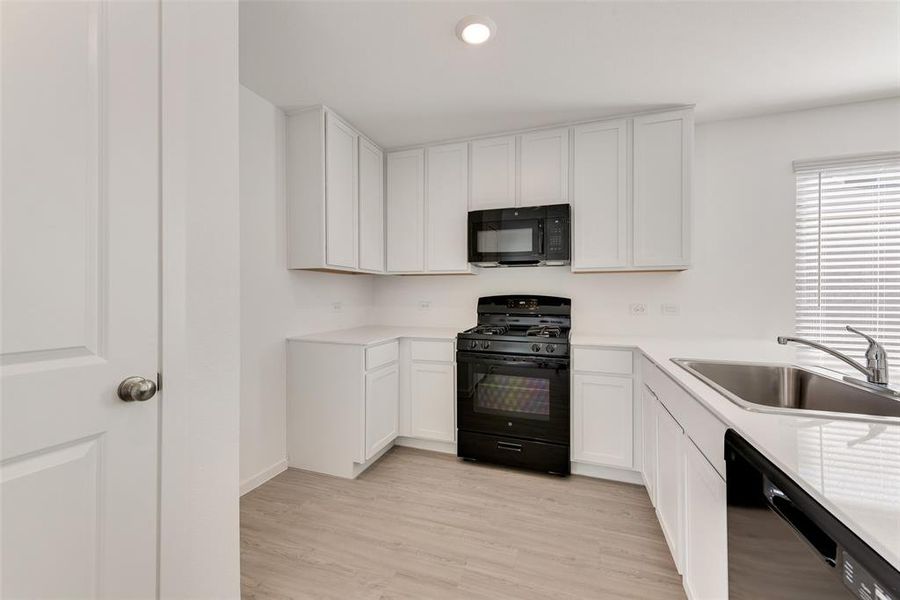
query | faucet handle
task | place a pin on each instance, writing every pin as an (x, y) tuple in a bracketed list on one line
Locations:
[(872, 341)]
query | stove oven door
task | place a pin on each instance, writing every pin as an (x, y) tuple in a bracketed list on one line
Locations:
[(521, 397)]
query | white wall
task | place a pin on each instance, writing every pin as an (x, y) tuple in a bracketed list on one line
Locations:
[(742, 280), (276, 302), (199, 529)]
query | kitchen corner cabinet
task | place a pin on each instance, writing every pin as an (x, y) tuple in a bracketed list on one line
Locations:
[(382, 408), (603, 417), (631, 193), (371, 207), (324, 186), (406, 211)]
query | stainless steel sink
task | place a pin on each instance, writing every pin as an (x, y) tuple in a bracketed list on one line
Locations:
[(788, 388)]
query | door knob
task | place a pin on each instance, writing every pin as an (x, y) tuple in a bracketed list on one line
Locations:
[(137, 389)]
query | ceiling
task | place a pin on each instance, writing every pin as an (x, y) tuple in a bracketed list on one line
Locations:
[(398, 73)]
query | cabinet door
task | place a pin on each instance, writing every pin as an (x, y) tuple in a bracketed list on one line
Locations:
[(340, 194), (382, 408), (603, 423), (432, 401), (544, 168), (405, 211), (705, 528), (600, 196), (493, 173), (669, 475), (662, 167), (371, 207), (447, 208), (648, 440)]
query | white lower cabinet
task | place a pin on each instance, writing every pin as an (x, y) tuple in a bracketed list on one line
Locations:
[(648, 441), (705, 528), (669, 479), (603, 420), (382, 408), (432, 401)]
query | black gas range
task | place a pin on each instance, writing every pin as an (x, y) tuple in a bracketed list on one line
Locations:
[(513, 383)]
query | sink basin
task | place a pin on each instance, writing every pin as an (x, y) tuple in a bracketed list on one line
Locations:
[(789, 388)]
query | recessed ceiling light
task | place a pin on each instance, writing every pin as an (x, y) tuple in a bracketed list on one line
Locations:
[(475, 30)]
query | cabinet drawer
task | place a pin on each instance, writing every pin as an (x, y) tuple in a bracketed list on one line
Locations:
[(383, 354), (433, 351), (601, 360)]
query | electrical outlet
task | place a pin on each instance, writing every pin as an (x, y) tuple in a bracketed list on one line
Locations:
[(637, 310), (424, 304), (670, 310), (337, 306)]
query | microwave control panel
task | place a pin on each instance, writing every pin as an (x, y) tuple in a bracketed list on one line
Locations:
[(557, 237)]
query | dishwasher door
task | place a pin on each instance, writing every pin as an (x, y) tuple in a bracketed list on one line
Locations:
[(783, 545)]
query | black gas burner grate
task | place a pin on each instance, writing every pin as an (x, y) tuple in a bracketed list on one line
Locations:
[(543, 331)]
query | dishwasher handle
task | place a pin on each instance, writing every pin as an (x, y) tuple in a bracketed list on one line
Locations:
[(814, 535)]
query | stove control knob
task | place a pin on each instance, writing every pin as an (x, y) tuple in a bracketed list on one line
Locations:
[(536, 347), (473, 344), (551, 348), (485, 344)]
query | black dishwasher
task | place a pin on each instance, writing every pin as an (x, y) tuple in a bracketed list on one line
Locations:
[(783, 545)]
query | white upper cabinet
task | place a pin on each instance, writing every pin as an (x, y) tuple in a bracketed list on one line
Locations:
[(341, 194), (447, 202), (600, 196), (544, 168), (371, 207), (329, 168), (663, 147), (405, 211), (492, 177)]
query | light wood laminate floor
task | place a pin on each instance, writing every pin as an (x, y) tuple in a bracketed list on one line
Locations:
[(424, 525)]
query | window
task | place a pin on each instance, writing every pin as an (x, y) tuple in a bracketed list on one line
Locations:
[(848, 253)]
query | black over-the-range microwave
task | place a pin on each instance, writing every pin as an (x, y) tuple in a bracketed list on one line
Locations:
[(513, 237)]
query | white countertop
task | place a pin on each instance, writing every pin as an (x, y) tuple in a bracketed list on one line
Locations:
[(851, 467), (369, 335)]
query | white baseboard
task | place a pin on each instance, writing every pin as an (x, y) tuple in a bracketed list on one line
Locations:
[(434, 446), (612, 473), (251, 483)]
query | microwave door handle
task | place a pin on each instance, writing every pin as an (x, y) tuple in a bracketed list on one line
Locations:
[(541, 238)]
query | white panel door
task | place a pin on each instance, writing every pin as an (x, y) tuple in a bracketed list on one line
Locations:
[(80, 190), (662, 187), (432, 401), (371, 207), (382, 408), (600, 196), (603, 422), (341, 194), (648, 441), (447, 207), (669, 480), (405, 211), (544, 168), (492, 176), (705, 528)]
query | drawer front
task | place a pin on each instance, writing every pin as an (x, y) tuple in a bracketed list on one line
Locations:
[(440, 351), (383, 354), (602, 360), (704, 428)]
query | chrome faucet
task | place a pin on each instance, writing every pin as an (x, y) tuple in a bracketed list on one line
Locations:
[(876, 369)]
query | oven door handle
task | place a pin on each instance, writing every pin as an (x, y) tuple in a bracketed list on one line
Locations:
[(539, 363)]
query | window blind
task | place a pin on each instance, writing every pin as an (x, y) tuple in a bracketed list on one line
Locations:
[(848, 254)]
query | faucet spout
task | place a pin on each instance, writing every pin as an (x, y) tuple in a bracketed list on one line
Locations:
[(876, 368)]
